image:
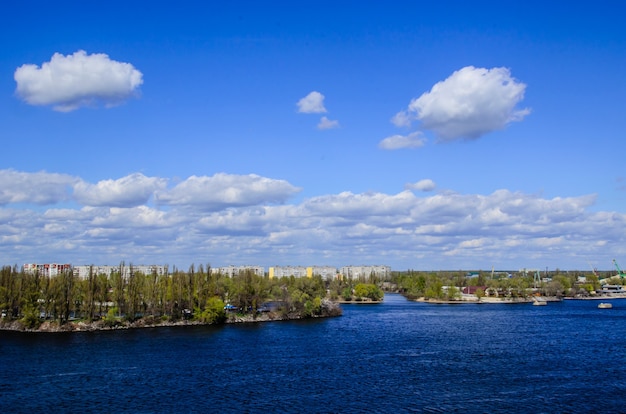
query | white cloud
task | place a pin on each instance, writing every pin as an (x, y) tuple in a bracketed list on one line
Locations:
[(469, 104), (326, 123), (248, 221), (394, 142), (227, 190), (129, 191), (69, 82), (37, 188), (421, 185), (235, 219), (140, 216), (313, 103), (349, 206), (473, 243)]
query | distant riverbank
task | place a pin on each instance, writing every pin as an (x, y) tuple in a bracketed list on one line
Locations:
[(472, 299)]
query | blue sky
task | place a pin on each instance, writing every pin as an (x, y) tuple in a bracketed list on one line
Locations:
[(427, 136)]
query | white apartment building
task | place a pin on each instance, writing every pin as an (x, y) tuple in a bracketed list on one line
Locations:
[(326, 272), (82, 271), (46, 269), (231, 270), (362, 272), (288, 271)]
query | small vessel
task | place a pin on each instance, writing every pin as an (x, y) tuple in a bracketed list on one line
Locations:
[(605, 305), (540, 303)]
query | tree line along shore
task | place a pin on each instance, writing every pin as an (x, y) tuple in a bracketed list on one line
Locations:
[(509, 287), (30, 301)]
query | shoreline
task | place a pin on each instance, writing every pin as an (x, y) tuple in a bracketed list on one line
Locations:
[(359, 302), (595, 298), (82, 326), (482, 301), (330, 311), (509, 301)]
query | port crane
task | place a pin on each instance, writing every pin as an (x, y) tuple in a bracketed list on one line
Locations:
[(535, 273), (537, 278), (594, 270), (619, 271)]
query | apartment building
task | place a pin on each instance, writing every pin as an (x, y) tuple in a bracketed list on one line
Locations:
[(82, 271), (231, 270), (288, 271), (46, 269), (326, 272), (362, 272)]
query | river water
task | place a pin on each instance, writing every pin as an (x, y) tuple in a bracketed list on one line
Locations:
[(399, 356)]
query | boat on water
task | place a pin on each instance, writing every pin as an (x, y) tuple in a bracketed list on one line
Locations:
[(540, 303), (605, 305), (613, 290)]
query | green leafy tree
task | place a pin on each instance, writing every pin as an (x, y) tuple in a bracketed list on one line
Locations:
[(7, 289), (453, 293), (103, 293), (90, 286), (312, 307), (368, 291), (111, 319), (68, 294), (434, 289), (480, 293), (213, 311), (134, 295), (30, 318), (118, 285)]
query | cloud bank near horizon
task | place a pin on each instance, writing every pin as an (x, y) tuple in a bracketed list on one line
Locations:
[(245, 219)]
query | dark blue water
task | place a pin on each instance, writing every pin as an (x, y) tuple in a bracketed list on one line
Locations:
[(399, 356)]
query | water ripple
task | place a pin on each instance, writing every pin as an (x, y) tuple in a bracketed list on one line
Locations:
[(400, 356)]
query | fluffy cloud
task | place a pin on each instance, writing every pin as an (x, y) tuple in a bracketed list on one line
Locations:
[(357, 206), (394, 142), (37, 188), (326, 123), (129, 191), (69, 82), (227, 190), (421, 185), (248, 221), (313, 103), (204, 193), (137, 217), (469, 104), (235, 219)]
